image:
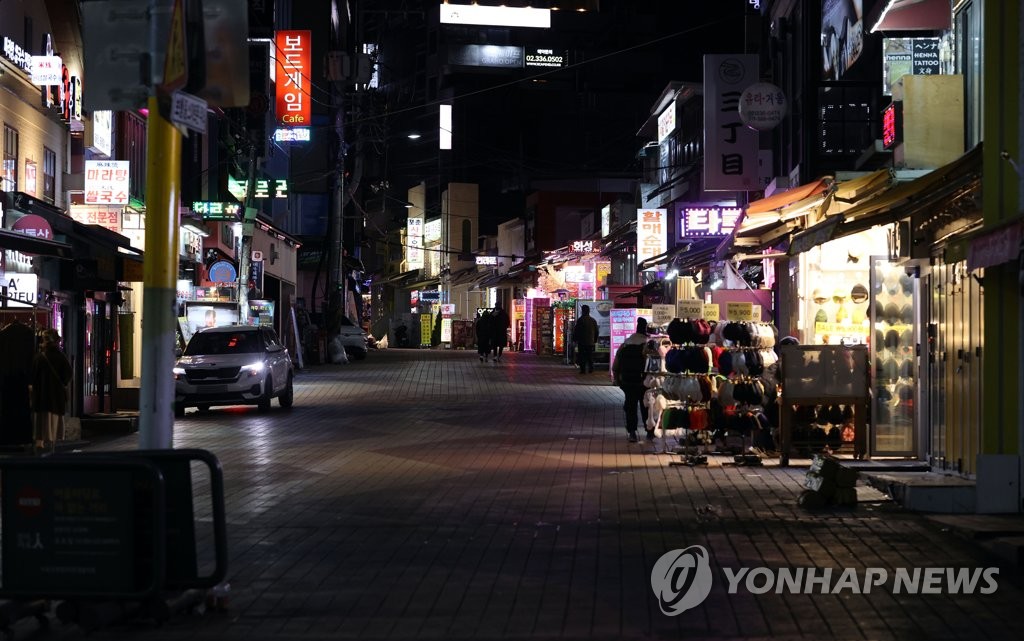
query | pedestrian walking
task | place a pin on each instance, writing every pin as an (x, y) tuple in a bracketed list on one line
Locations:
[(584, 334), (484, 324), (51, 373), (499, 331), (628, 371)]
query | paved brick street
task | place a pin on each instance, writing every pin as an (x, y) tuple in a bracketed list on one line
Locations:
[(426, 495)]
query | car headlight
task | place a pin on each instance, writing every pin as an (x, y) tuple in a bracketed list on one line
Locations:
[(254, 368)]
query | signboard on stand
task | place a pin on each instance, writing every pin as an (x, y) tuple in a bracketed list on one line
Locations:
[(426, 329), (662, 315)]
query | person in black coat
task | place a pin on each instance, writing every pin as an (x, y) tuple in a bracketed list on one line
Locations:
[(484, 331), (499, 331), (51, 373)]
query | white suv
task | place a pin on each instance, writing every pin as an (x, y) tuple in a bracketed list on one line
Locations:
[(237, 365)]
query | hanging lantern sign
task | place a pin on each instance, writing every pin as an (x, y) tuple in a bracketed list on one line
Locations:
[(762, 106)]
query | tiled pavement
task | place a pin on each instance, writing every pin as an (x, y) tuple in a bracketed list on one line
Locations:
[(425, 495)]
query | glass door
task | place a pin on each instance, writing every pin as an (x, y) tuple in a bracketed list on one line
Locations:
[(893, 354)]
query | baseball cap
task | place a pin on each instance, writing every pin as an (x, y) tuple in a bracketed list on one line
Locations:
[(907, 284), (907, 314), (907, 369), (892, 314)]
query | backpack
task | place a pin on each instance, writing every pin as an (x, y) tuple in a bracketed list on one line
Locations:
[(631, 365)]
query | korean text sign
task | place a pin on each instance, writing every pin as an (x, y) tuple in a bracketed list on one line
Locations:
[(651, 238), (730, 147), (698, 220), (414, 243), (106, 182), (292, 52)]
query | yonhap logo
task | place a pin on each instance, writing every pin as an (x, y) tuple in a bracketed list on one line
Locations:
[(681, 579)]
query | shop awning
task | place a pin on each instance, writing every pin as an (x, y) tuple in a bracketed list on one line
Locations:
[(851, 191), (904, 198), (19, 242), (766, 220), (620, 238), (685, 256), (910, 15)]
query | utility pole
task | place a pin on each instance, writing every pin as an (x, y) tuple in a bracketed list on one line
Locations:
[(337, 298), (160, 267), (245, 244)]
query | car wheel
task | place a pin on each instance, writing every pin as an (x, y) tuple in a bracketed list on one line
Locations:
[(179, 410), (287, 396), (205, 407), (268, 394)]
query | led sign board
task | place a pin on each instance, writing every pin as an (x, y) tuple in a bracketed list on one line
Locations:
[(293, 72), (292, 134), (495, 16), (698, 221), (216, 210), (892, 124), (585, 246), (486, 260)]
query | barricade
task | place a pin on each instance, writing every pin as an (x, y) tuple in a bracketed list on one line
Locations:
[(111, 534)]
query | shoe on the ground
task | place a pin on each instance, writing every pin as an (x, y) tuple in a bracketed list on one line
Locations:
[(632, 437), (650, 436)]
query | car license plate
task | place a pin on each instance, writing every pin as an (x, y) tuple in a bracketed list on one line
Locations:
[(215, 389)]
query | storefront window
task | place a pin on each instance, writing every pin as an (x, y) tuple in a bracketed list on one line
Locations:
[(9, 179), (895, 361), (49, 175)]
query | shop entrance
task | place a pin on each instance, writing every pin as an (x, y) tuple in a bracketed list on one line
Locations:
[(893, 352)]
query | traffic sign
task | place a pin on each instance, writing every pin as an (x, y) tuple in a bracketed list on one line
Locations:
[(188, 111), (176, 61)]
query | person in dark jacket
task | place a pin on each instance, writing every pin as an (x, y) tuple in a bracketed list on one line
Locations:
[(484, 330), (628, 370), (51, 373), (584, 334), (499, 331)]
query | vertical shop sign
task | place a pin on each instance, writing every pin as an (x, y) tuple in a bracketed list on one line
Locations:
[(414, 243), (926, 57), (292, 52), (650, 234), (426, 328), (730, 148)]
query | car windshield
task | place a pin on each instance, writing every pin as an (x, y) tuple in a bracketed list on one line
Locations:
[(224, 343)]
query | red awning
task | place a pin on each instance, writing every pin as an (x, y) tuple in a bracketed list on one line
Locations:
[(911, 15), (788, 197)]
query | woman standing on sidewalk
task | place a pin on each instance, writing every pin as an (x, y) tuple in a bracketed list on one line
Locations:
[(51, 373)]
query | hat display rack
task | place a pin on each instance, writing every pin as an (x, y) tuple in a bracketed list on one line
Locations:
[(694, 407)]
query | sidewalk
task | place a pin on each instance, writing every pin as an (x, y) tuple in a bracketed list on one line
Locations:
[(421, 494)]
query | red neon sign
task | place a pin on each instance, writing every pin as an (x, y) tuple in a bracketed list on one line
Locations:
[(293, 72)]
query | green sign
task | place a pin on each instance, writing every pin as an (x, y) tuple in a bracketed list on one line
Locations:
[(217, 210)]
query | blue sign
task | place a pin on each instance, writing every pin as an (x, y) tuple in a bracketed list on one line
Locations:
[(430, 296), (223, 271)]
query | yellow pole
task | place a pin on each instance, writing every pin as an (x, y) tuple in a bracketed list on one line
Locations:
[(159, 275)]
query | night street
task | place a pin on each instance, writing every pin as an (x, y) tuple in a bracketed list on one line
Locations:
[(423, 494)]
